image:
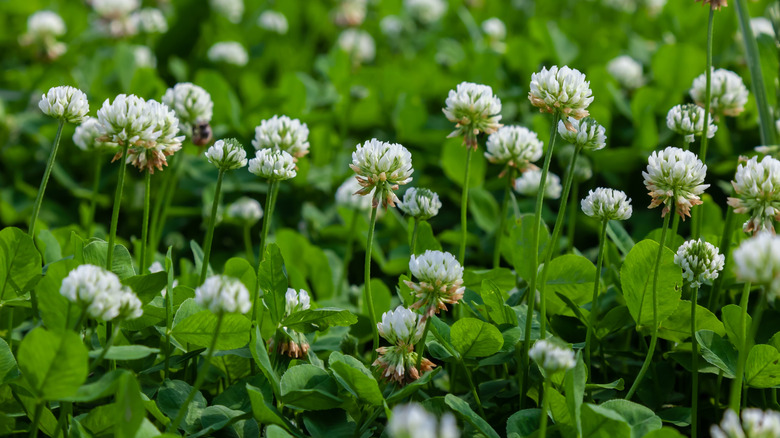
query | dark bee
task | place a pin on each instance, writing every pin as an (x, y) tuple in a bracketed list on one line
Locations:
[(201, 134)]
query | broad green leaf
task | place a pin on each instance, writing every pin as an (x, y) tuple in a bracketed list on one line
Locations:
[(20, 262), (327, 424), (425, 238), (572, 276), (453, 162), (273, 282), (309, 387), (637, 278), (126, 352), (472, 337), (263, 410), (522, 236), (355, 378), (677, 327), (718, 351), (171, 398), (129, 407), (574, 385), (275, 431), (147, 286), (8, 368), (762, 369), (49, 246), (600, 422), (241, 269), (382, 297), (523, 424), (215, 418), (122, 263), (464, 411), (665, 432), (54, 364), (197, 256), (310, 320), (732, 322), (411, 388), (484, 209), (198, 329), (105, 386), (640, 418), (620, 236), (497, 309), (260, 355), (54, 307)]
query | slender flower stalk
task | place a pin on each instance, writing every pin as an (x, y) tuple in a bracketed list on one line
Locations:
[(45, 181), (120, 183), (367, 276), (349, 249), (347, 197), (697, 221), (551, 359), (145, 225), (212, 222), (464, 201), (111, 336), (502, 218), (247, 212)]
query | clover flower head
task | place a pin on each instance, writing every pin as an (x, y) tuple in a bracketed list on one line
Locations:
[(45, 24), (714, 4), (757, 193), (426, 11), (439, 281), (223, 294), (350, 13), (246, 210), (607, 204), (150, 151), (100, 293), (563, 90), (149, 20), (675, 176), (391, 26), (227, 154), (347, 196), (729, 94), (129, 305), (627, 71), (551, 357), (144, 57), (125, 120), (233, 10), (755, 424), (65, 103), (585, 133), (762, 26), (382, 166), (403, 328), (688, 120), (494, 28), (421, 204), (283, 133), (528, 184), (413, 421), (359, 44), (757, 260), (296, 301), (115, 9), (229, 52), (86, 136), (515, 146), (193, 107), (474, 109), (700, 262), (273, 21), (273, 164)]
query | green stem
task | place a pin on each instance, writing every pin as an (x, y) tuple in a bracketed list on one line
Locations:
[(575, 193), (464, 203), (595, 300), (534, 262), (210, 231), (744, 348), (413, 246), (269, 211), (145, 226), (65, 409), (671, 237), (174, 425), (348, 251), (473, 388), (109, 343), (654, 338), (160, 198), (724, 248), (95, 191), (421, 345), (708, 92), (250, 256), (117, 202), (168, 323), (36, 419), (44, 182), (545, 408), (165, 201), (367, 273), (502, 217), (694, 364)]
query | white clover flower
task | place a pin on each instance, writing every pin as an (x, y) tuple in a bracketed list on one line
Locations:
[(552, 358), (425, 11), (675, 175), (273, 21), (654, 7), (227, 154), (627, 71), (350, 13), (149, 20), (421, 204), (192, 104), (125, 120), (757, 193), (688, 120), (296, 301), (144, 57), (564, 90), (474, 109), (150, 152), (113, 9), (273, 164), (359, 44), (494, 28), (383, 166), (528, 184), (87, 134), (223, 294), (762, 26), (515, 146), (347, 196), (129, 306), (755, 424), (65, 103), (413, 421), (403, 328), (45, 24), (283, 133), (246, 210), (757, 260), (700, 262), (100, 293), (391, 26), (230, 52), (729, 94), (440, 281), (607, 204), (585, 133), (230, 9)]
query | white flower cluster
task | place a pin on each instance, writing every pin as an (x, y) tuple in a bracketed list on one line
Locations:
[(273, 21), (192, 104), (564, 90), (283, 133), (273, 164), (65, 103), (425, 11), (515, 146), (413, 421), (115, 9), (757, 193), (700, 261), (43, 28), (350, 13), (121, 18), (421, 204), (144, 57), (246, 210), (359, 44), (86, 136), (227, 154), (528, 184), (675, 175), (552, 358), (296, 301), (688, 120), (100, 293), (229, 52), (586, 133), (222, 294), (440, 281), (755, 424), (474, 109), (401, 326), (347, 196), (757, 260), (379, 164), (761, 26), (391, 26), (607, 204), (495, 31), (729, 94), (149, 20), (233, 10), (627, 71)]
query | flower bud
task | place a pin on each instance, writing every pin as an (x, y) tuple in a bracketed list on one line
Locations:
[(65, 103), (421, 204), (227, 154)]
